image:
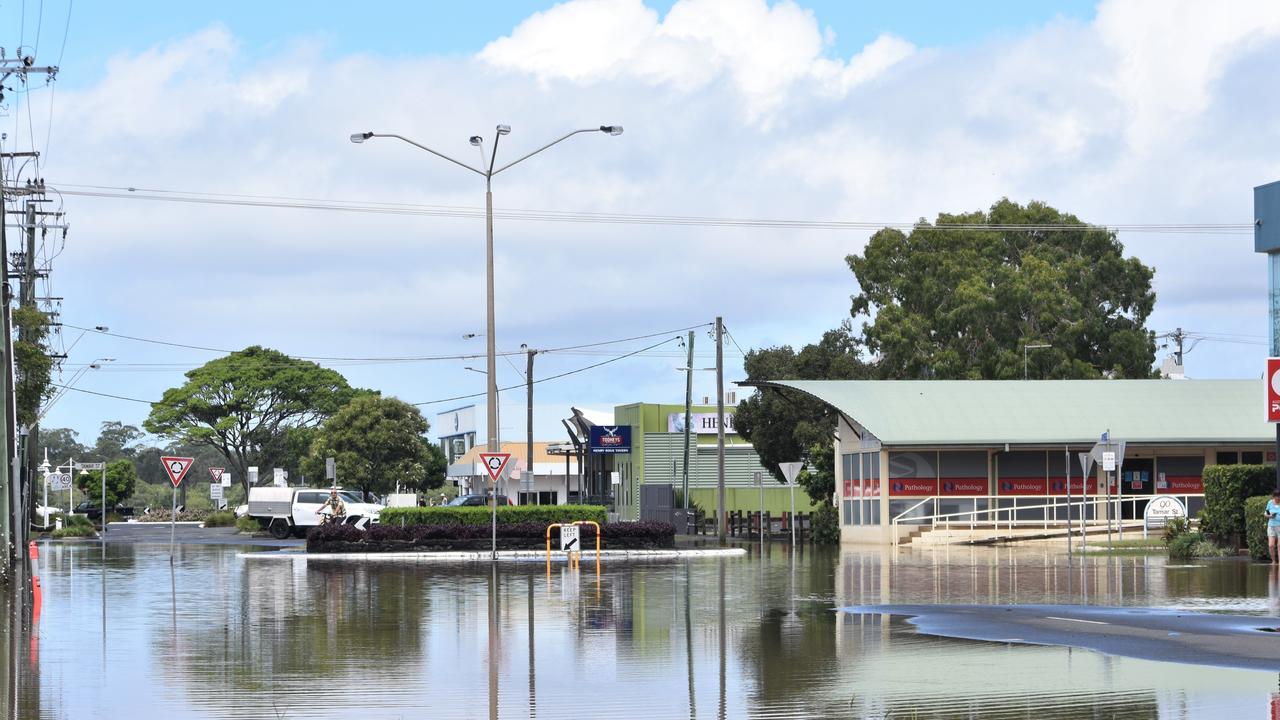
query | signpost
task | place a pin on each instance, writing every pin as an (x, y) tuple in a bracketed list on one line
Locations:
[(103, 468), (759, 476), (1086, 469), (176, 468), (789, 471), (495, 464), (569, 538)]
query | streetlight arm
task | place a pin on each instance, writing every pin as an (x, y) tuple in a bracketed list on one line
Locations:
[(433, 152), (544, 147)]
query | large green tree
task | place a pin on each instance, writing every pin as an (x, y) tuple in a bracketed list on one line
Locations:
[(785, 426), (32, 362), (61, 445), (376, 442), (245, 402), (121, 477), (961, 303)]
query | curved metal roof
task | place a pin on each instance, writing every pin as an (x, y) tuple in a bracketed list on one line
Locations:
[(1033, 412)]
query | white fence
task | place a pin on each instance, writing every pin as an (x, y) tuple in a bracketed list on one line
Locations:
[(1030, 511)]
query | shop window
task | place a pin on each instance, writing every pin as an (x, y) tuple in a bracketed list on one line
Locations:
[(1230, 457), (1251, 458)]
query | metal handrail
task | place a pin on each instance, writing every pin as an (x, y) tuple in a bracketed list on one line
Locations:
[(1011, 520)]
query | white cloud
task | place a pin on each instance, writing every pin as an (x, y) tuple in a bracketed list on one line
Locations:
[(1152, 113), (763, 50)]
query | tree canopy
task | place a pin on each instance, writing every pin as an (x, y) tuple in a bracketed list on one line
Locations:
[(121, 477), (963, 303), (377, 442), (32, 362), (244, 403), (788, 427)]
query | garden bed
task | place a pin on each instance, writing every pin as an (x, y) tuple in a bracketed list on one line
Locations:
[(459, 537)]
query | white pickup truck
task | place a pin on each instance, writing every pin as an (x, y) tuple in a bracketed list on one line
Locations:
[(286, 511)]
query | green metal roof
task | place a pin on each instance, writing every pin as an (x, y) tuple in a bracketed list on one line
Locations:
[(1034, 412)]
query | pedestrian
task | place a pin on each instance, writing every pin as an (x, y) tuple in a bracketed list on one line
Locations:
[(1273, 526)]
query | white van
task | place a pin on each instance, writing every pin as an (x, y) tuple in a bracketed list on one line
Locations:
[(289, 511)]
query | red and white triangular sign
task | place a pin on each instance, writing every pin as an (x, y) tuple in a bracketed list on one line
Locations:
[(176, 468), (495, 464), (216, 473)]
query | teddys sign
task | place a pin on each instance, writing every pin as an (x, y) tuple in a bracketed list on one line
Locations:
[(610, 439)]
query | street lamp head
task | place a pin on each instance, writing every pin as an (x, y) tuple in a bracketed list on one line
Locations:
[(611, 129), (504, 129), (476, 140), (360, 137), (101, 328)]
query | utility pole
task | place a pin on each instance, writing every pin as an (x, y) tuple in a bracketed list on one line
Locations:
[(1178, 336), (688, 419), (719, 428), (528, 378), (11, 473)]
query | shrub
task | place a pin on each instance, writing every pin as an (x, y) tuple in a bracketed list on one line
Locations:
[(1174, 528), (1255, 514), (1183, 547), (247, 524), (220, 518), (527, 534), (508, 514), (825, 525), (1226, 487), (73, 526)]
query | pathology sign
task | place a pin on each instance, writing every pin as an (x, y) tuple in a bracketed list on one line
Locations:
[(610, 439), (1273, 390)]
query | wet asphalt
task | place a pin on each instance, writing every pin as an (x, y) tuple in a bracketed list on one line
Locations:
[(189, 534), (1240, 641)]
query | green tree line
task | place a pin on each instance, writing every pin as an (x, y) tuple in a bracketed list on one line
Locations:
[(961, 303)]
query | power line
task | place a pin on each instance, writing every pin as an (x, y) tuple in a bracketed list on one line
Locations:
[(549, 377), (583, 349), (419, 404), (296, 203)]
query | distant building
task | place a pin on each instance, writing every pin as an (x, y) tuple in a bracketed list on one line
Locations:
[(656, 456), (554, 477), (916, 455)]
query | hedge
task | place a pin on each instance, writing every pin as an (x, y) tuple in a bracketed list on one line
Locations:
[(458, 536), (1226, 487), (1255, 513), (480, 515)]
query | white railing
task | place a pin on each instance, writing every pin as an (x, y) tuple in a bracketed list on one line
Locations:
[(1043, 511)]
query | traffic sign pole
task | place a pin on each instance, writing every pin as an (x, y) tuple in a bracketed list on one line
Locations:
[(176, 468), (494, 464)]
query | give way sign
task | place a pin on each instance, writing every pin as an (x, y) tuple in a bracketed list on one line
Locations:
[(495, 464), (176, 468)]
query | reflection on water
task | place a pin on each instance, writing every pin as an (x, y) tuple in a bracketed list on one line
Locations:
[(216, 635)]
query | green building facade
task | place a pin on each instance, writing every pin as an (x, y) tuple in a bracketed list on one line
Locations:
[(657, 456)]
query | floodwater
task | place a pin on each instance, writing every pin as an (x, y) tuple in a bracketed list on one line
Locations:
[(122, 633)]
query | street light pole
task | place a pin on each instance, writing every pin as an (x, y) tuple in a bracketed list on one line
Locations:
[(487, 173), (1025, 348)]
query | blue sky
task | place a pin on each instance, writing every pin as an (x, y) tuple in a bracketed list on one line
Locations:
[(100, 30), (1127, 111)]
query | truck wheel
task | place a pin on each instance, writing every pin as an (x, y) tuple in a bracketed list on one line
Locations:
[(279, 528)]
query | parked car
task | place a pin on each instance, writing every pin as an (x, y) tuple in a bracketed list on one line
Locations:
[(477, 500), (94, 512), (292, 511)]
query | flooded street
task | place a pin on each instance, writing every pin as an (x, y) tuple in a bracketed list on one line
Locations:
[(122, 633)]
